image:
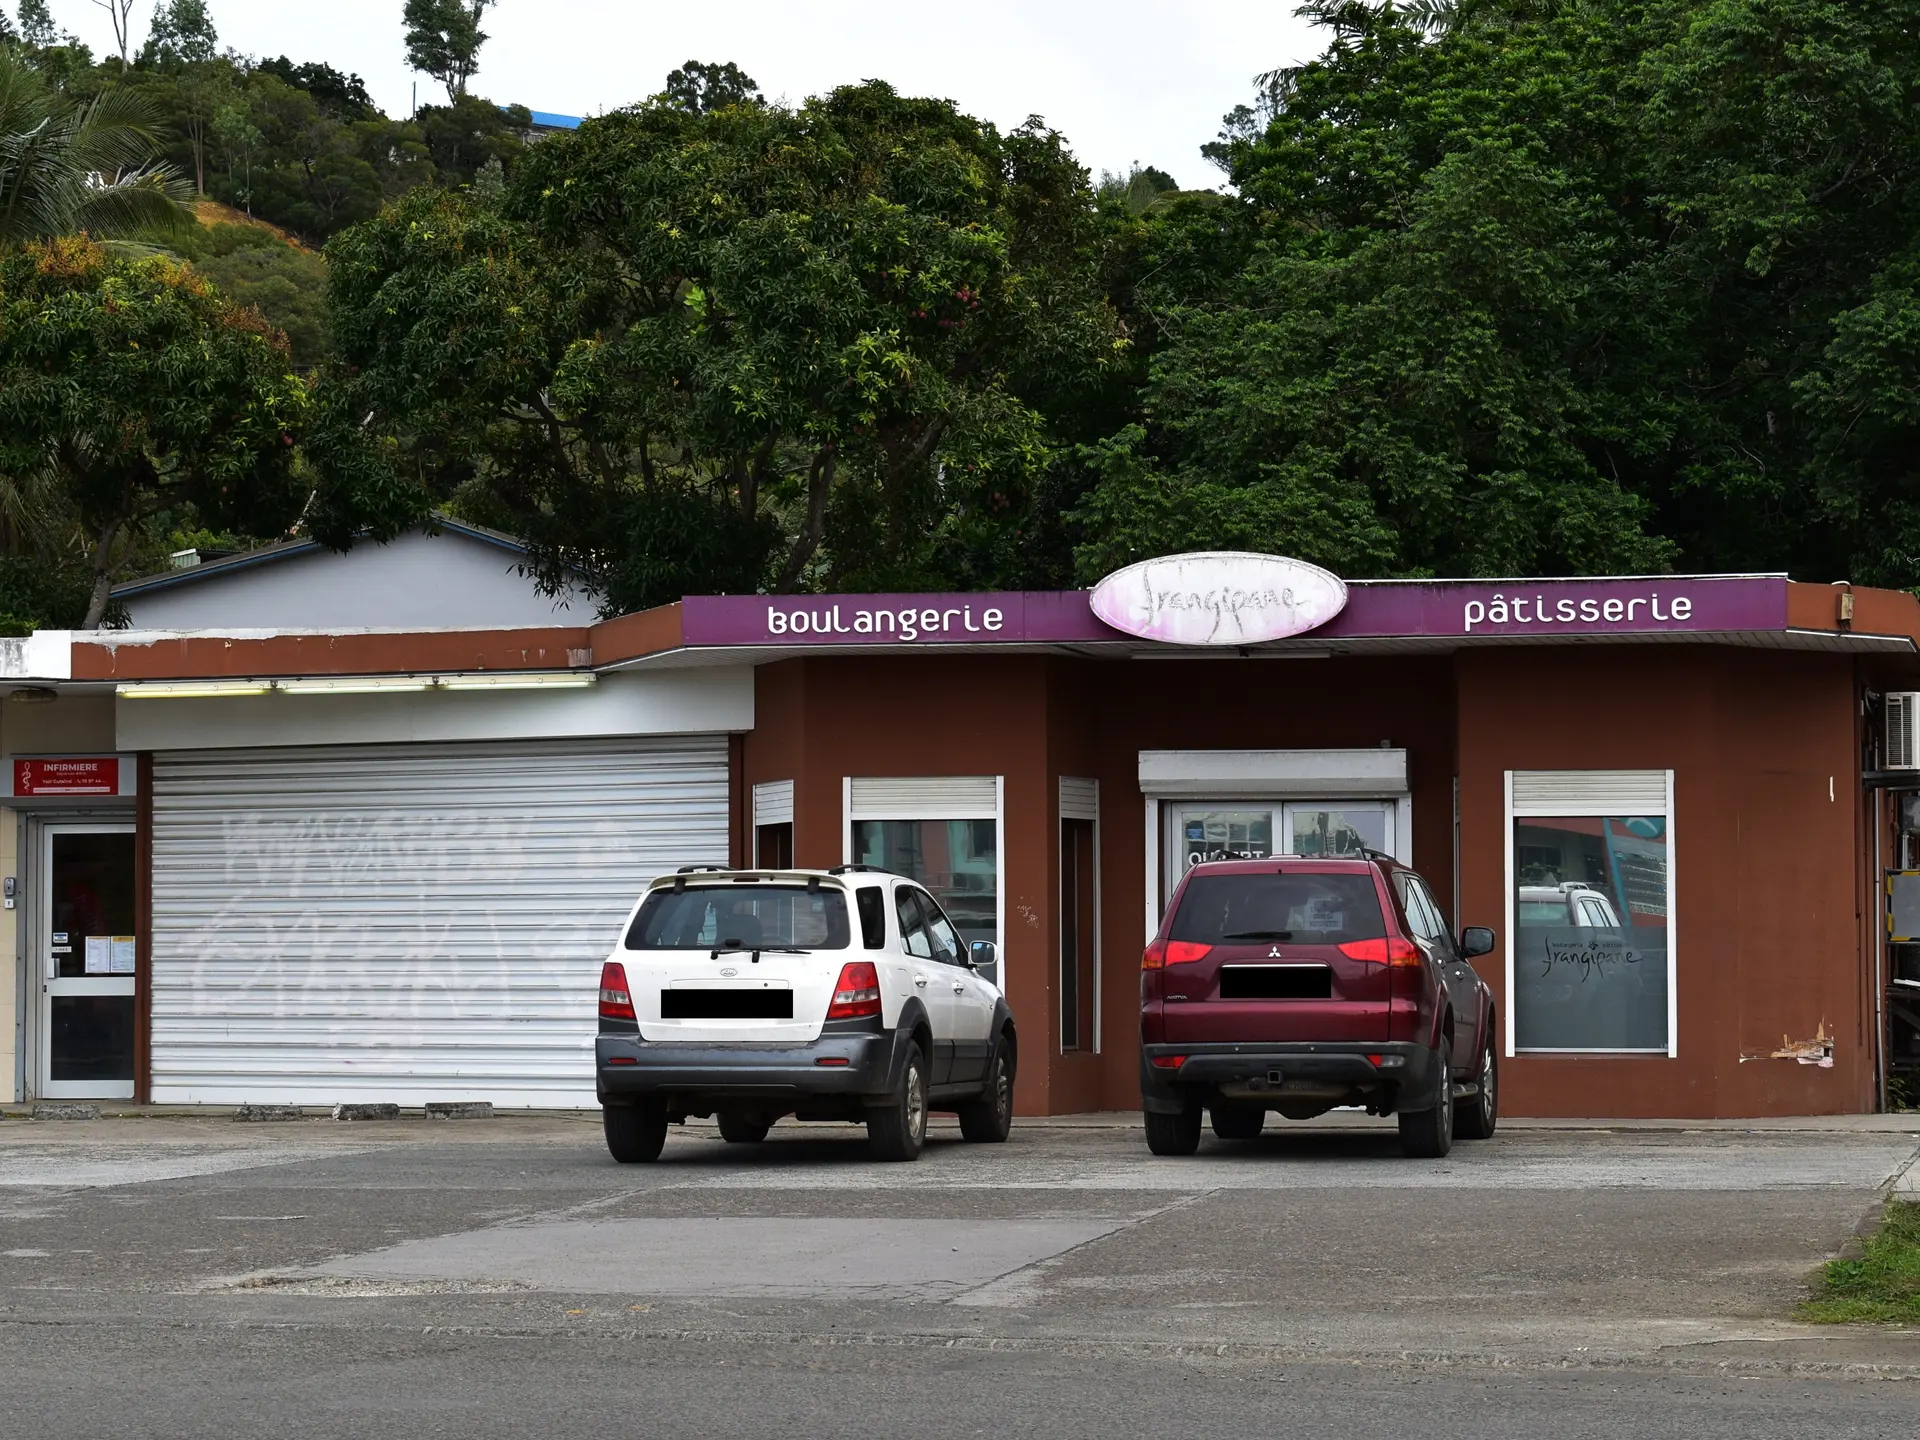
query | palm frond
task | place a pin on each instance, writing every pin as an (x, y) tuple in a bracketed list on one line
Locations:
[(92, 167)]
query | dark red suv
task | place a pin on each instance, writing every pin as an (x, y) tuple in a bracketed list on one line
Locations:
[(1298, 984)]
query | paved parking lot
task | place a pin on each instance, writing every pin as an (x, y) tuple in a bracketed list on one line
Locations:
[(185, 1272)]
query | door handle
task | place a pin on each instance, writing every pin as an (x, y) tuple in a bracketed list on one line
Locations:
[(921, 981), (959, 989)]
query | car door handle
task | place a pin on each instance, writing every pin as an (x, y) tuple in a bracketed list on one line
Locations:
[(921, 981), (959, 989)]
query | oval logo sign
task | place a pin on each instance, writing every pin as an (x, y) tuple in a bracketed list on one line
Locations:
[(1219, 597)]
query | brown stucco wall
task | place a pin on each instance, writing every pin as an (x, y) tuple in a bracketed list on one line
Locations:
[(1766, 861)]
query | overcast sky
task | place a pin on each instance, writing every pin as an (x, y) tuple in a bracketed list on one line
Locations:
[(1125, 80)]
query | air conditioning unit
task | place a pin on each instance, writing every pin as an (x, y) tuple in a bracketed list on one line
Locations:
[(1903, 731)]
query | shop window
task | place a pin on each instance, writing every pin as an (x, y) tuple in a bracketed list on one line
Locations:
[(958, 860), (1076, 934), (1591, 917)]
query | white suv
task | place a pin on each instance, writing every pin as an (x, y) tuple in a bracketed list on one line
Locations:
[(841, 994)]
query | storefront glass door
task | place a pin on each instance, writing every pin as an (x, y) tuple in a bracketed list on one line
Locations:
[(86, 950), (1225, 830)]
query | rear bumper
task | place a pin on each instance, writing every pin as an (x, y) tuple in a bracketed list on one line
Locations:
[(1406, 1077), (629, 1069)]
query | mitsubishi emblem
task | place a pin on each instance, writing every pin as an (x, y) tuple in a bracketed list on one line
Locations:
[(1274, 953)]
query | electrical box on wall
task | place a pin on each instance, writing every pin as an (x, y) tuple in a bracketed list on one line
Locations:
[(1902, 741)]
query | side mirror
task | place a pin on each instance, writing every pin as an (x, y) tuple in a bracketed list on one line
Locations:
[(983, 958), (1475, 940)]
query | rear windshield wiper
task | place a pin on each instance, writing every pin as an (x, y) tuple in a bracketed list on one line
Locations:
[(754, 950), (1258, 935)]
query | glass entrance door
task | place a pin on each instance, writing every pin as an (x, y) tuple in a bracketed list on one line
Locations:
[(1254, 830), (86, 946)]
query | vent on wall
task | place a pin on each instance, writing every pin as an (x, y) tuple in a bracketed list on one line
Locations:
[(1903, 717)]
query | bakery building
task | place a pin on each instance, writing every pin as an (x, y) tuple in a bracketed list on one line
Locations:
[(316, 857)]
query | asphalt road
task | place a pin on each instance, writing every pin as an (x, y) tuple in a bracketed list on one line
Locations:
[(164, 1277)]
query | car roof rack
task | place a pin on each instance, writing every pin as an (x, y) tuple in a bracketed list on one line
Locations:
[(702, 869), (856, 870)]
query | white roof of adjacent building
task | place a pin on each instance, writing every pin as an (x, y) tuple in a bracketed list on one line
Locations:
[(447, 576)]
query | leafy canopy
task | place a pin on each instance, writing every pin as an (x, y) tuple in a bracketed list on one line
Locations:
[(141, 391), (1529, 286), (444, 39), (751, 347)]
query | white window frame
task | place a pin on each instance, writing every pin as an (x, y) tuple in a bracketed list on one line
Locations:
[(937, 804), (1572, 804), (772, 805)]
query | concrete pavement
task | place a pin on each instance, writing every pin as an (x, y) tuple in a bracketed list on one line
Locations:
[(186, 1271)]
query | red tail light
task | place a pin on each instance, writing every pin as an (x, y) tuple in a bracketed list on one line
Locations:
[(615, 1002), (1173, 952), (857, 992), (1384, 951), (1168, 1062)]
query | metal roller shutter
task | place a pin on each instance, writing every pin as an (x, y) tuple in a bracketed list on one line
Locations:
[(407, 923)]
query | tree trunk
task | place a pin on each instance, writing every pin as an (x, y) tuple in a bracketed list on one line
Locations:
[(819, 482), (102, 577)]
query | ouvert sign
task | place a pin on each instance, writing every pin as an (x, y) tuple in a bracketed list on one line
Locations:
[(1219, 597)]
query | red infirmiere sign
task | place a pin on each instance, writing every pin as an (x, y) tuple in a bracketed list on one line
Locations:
[(89, 775)]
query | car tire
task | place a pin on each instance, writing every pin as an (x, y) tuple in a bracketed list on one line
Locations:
[(989, 1120), (1476, 1120), (635, 1134), (1174, 1134), (1238, 1122), (1428, 1134), (741, 1129), (897, 1130)]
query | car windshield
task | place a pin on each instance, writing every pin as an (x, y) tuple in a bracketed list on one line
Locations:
[(739, 917), (1301, 907)]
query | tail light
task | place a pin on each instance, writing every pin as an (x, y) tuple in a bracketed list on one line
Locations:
[(1387, 950), (615, 1002), (1168, 1062), (1173, 952), (856, 994)]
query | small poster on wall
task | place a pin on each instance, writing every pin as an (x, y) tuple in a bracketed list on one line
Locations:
[(99, 955), (120, 955)]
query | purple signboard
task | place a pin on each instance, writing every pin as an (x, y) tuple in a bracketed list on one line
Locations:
[(1468, 609)]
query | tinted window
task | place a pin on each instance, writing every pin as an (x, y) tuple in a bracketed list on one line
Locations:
[(872, 903), (946, 941), (1306, 909), (913, 930), (739, 917)]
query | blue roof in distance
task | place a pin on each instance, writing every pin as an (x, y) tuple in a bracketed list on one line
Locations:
[(549, 120)]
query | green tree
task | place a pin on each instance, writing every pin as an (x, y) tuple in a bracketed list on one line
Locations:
[(444, 39), (140, 392), (1531, 286), (757, 347), (182, 33), (67, 166), (36, 25), (698, 87), (252, 266)]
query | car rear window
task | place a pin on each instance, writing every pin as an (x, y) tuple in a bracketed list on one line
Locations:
[(1541, 912), (1304, 908), (701, 917)]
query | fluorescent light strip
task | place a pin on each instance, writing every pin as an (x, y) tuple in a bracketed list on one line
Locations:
[(193, 689), (356, 685), (522, 680)]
